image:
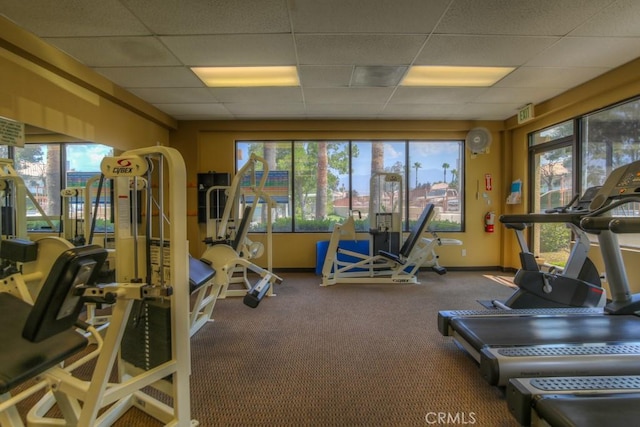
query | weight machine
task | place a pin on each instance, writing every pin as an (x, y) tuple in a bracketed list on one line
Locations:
[(24, 263), (384, 267), (386, 261), (147, 342), (231, 252)]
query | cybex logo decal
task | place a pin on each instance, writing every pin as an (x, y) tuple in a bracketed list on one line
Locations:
[(124, 166)]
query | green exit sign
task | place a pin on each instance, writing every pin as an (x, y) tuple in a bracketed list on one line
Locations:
[(525, 113)]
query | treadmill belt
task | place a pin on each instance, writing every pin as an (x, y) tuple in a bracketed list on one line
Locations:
[(538, 330), (560, 410)]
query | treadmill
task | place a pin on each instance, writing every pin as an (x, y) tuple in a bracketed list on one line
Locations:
[(578, 401), (577, 290), (573, 344)]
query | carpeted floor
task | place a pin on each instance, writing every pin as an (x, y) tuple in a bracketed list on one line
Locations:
[(345, 355)]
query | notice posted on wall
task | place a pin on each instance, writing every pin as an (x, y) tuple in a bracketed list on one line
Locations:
[(11, 132)]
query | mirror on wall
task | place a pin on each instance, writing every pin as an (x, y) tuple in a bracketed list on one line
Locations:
[(56, 174)]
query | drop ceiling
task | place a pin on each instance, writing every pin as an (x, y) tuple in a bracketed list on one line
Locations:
[(343, 49)]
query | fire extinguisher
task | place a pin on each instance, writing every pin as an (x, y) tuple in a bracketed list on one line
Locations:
[(489, 220)]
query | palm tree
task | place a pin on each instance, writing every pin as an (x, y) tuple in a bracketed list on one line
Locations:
[(322, 183), (445, 166), (377, 165), (417, 165)]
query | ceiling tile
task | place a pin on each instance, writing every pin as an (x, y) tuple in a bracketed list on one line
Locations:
[(481, 50), (420, 111), (481, 111), (233, 50), (212, 16), (539, 17), (202, 110), (367, 16), (588, 52), (325, 76), (353, 111), (254, 95), (116, 51), (183, 95), (549, 77), (618, 19), (358, 49), (435, 95), (509, 95), (72, 18), (262, 110), (148, 46), (352, 95), (129, 77)]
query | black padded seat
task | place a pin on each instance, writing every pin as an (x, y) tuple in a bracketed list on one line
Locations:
[(36, 338), (200, 273), (21, 359)]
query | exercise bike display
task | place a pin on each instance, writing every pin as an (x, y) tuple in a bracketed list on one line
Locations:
[(577, 285)]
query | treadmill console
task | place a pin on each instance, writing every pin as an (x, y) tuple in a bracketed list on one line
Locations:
[(622, 182)]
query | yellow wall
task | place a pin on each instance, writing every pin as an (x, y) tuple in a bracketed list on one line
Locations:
[(41, 86), (209, 146)]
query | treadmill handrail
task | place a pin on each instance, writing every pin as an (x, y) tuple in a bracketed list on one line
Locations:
[(625, 225), (536, 218)]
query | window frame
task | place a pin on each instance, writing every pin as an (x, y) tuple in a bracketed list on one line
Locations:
[(407, 144)]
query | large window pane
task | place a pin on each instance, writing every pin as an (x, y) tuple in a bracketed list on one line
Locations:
[(368, 158), (611, 138), (82, 170), (552, 187), (39, 166), (319, 194), (435, 176), (278, 157), (553, 133)]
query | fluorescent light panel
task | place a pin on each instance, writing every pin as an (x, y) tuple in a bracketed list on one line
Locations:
[(247, 76), (454, 76)]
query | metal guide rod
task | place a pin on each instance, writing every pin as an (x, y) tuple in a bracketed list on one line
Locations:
[(134, 208), (161, 215)]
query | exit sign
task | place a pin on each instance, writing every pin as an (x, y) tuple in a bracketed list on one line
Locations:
[(525, 113)]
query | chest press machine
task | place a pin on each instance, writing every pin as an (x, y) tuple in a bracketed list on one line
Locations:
[(148, 333)]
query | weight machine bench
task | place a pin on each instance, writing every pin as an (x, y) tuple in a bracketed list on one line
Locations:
[(38, 338)]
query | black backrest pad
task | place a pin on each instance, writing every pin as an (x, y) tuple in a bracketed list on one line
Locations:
[(58, 306), (417, 230), (199, 273)]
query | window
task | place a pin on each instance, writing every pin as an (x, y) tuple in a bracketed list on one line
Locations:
[(610, 138), (552, 186), (40, 167), (83, 168), (328, 180), (46, 169)]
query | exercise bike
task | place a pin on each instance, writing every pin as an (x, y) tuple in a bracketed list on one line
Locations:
[(577, 285)]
